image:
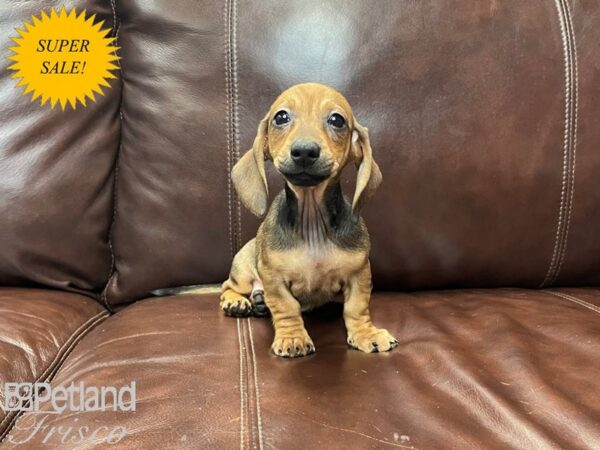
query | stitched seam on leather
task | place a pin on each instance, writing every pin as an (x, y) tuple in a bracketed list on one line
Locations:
[(574, 117), (568, 170), (235, 214), (233, 135), (256, 390), (573, 299), (242, 390), (226, 20), (117, 24), (567, 173), (557, 238), (236, 134), (250, 399), (48, 374)]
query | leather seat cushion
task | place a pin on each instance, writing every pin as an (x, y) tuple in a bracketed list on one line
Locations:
[(38, 328), (475, 368)]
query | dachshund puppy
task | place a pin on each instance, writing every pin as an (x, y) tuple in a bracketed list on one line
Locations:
[(312, 243)]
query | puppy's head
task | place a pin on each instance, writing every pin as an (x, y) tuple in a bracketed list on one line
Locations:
[(310, 134)]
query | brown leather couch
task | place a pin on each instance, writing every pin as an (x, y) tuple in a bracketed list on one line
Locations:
[(486, 253)]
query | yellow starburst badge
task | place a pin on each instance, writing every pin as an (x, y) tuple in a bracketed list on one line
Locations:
[(63, 58)]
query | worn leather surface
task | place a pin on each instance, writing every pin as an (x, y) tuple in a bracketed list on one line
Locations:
[(37, 330), (170, 347), (56, 174), (505, 368)]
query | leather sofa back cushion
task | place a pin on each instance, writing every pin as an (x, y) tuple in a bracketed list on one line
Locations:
[(482, 118), (56, 175), (471, 109), (171, 222)]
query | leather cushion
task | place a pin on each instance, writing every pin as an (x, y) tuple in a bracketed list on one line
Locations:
[(182, 355), (56, 174), (170, 222), (38, 328), (504, 368)]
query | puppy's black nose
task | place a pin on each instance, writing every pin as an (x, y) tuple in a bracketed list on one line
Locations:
[(305, 153)]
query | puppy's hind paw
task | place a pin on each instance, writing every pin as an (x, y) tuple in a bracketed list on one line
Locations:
[(260, 308), (239, 307)]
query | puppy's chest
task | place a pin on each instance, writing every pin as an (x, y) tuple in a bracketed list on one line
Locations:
[(315, 273)]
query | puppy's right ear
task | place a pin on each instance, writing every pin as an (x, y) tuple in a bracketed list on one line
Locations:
[(248, 174)]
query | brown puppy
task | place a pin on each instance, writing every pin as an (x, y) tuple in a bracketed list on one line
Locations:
[(312, 243)]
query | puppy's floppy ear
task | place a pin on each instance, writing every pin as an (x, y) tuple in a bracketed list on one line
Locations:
[(248, 174), (369, 176)]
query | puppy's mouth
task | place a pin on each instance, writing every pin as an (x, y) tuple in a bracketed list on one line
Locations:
[(305, 178), (305, 175)]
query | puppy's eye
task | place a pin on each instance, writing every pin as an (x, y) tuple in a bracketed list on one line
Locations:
[(336, 121), (281, 118)]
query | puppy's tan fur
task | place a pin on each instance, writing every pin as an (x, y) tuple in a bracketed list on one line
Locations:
[(300, 267)]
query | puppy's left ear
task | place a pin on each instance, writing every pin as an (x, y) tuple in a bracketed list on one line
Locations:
[(369, 176), (248, 174)]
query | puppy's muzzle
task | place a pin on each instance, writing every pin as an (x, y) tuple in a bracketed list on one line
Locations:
[(306, 167)]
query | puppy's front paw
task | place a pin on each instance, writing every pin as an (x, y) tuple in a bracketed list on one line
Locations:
[(238, 307), (372, 340), (293, 345)]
